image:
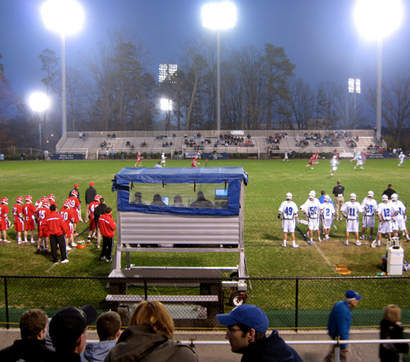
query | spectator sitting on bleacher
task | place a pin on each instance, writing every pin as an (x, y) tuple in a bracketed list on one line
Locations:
[(108, 330), (149, 338), (178, 201), (201, 201), (138, 198), (31, 346)]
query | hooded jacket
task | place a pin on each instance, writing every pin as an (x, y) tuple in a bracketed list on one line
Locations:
[(29, 350), (272, 348), (135, 340), (95, 352)]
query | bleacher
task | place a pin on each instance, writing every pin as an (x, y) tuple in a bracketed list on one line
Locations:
[(97, 145)]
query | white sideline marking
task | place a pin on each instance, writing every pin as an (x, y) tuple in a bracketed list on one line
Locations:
[(54, 265), (324, 257)]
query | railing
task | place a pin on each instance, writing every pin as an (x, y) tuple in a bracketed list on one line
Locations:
[(291, 303)]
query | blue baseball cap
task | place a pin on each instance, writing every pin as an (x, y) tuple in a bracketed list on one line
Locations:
[(351, 294), (247, 314)]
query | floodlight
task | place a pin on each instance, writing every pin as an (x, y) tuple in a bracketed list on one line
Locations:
[(219, 15), (350, 85), (39, 102), (165, 104), (65, 17), (377, 19)]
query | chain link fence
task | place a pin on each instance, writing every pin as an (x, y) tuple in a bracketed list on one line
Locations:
[(290, 303)]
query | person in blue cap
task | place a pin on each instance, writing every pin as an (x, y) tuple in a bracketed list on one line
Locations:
[(247, 325), (340, 320)]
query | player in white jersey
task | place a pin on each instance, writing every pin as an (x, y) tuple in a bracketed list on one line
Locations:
[(359, 161), (286, 157), (399, 218), (384, 213), (163, 158), (402, 157), (327, 213), (369, 206), (351, 211), (288, 212), (311, 208), (334, 162)]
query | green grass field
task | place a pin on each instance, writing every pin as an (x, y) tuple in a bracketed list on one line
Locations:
[(268, 183)]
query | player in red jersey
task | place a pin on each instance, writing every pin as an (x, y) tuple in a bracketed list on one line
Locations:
[(52, 199), (195, 162), (76, 206), (18, 218), (310, 163), (29, 225), (68, 215), (4, 218), (41, 214), (91, 209), (139, 160)]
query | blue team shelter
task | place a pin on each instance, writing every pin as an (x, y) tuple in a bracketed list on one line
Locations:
[(180, 190)]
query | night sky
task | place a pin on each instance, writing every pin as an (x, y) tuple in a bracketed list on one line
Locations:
[(319, 36)]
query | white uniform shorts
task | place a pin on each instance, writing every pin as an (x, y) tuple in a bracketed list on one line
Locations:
[(313, 224), (352, 226), (399, 224), (327, 223), (385, 227), (368, 221), (288, 226)]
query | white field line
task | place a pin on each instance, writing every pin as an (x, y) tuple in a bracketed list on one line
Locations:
[(324, 257)]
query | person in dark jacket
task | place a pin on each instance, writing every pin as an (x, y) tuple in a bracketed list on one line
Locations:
[(90, 194), (56, 228), (31, 347), (390, 328), (68, 331), (389, 191), (148, 338), (201, 201), (247, 326), (98, 211), (108, 330)]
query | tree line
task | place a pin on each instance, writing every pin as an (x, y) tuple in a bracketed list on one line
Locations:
[(115, 91)]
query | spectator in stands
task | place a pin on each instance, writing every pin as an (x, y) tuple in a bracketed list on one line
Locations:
[(340, 320), (149, 338), (391, 328), (108, 330), (201, 201), (107, 227), (157, 201), (178, 201), (247, 326), (68, 329), (90, 194), (31, 346)]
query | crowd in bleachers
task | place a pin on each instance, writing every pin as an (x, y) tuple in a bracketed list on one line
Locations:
[(276, 138), (229, 140)]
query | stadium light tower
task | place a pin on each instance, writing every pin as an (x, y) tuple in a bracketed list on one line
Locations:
[(165, 104), (221, 15), (65, 17), (354, 87), (39, 102), (375, 20)]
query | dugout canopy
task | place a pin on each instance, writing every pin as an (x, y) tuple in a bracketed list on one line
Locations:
[(206, 191)]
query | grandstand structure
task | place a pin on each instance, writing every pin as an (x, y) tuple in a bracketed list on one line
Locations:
[(260, 144)]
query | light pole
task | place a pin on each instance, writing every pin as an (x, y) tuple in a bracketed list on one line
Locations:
[(65, 17), (219, 16), (375, 20), (39, 102)]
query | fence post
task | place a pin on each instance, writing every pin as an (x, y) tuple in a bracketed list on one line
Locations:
[(6, 301), (145, 290), (297, 305), (337, 350)]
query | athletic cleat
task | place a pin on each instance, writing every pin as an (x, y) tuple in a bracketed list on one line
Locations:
[(363, 237), (327, 237), (67, 248), (108, 260), (65, 261), (358, 243), (284, 244), (56, 262), (7, 241), (373, 245), (379, 243), (73, 244), (310, 242), (320, 240), (102, 258), (347, 243), (295, 245)]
